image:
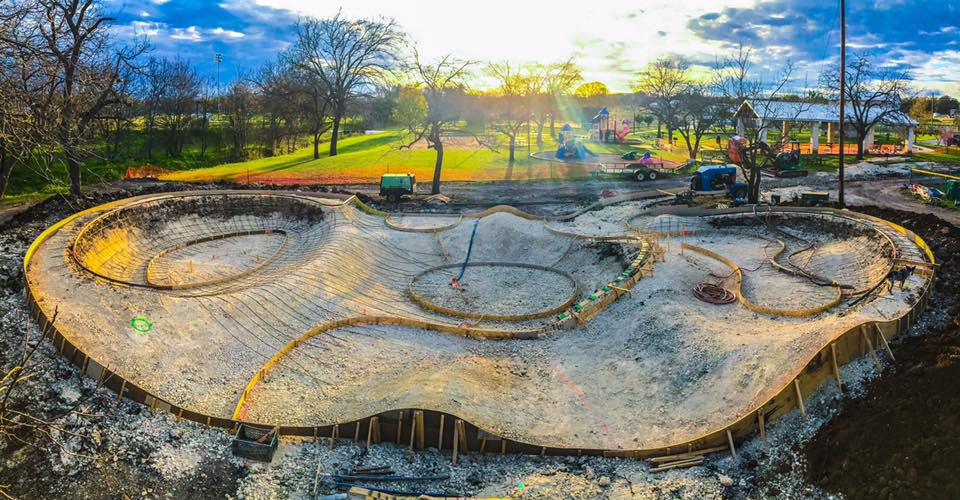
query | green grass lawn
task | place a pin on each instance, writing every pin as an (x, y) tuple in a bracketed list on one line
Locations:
[(944, 156), (362, 159)]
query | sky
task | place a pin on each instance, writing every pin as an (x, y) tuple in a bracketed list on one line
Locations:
[(610, 39)]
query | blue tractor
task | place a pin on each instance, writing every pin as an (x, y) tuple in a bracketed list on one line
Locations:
[(719, 178)]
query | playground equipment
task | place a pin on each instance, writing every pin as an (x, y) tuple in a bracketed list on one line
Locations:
[(603, 128), (624, 131), (570, 146), (394, 186)]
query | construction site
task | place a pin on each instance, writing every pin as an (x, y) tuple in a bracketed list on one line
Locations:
[(632, 329)]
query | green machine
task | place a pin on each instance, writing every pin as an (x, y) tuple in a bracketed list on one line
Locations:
[(953, 190), (788, 164), (393, 186)]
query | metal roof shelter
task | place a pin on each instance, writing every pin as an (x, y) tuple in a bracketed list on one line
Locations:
[(814, 115)]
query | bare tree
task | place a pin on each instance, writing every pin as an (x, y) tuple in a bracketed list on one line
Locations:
[(19, 133), (179, 103), (433, 107), (662, 82), (239, 107), (697, 113), (152, 88), (755, 103), (873, 94), (512, 100), (282, 102), (347, 56), (69, 40), (312, 90), (548, 86)]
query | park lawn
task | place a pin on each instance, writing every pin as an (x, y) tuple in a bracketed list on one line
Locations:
[(363, 159), (941, 155)]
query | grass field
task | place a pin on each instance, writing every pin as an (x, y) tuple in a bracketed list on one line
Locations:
[(362, 159)]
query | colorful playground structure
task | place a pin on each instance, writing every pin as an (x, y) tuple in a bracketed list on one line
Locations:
[(570, 146), (603, 128)]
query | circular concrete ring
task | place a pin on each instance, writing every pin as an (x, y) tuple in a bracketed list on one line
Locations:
[(431, 306), (230, 277), (392, 223)]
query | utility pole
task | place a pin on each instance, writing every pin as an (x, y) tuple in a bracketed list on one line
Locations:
[(219, 59), (843, 87)]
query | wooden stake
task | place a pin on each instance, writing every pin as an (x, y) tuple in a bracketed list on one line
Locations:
[(334, 434), (356, 433), (122, 387), (760, 422), (316, 434), (836, 369), (440, 439), (456, 440), (883, 339), (399, 426), (503, 446), (418, 417), (464, 444), (733, 449), (370, 431), (873, 352), (796, 387), (483, 444), (413, 434)]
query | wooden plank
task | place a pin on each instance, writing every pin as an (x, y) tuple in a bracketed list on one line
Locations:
[(692, 453), (680, 465)]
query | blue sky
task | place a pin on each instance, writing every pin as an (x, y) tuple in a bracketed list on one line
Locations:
[(610, 39)]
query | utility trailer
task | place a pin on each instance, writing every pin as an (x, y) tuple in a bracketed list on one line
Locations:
[(633, 170)]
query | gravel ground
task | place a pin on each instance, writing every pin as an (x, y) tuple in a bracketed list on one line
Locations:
[(496, 290)]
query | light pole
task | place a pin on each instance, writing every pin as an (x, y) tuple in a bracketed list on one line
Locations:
[(219, 59)]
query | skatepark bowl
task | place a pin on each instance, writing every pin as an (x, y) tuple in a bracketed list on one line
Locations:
[(330, 319)]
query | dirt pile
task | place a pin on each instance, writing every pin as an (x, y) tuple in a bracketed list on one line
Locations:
[(900, 440)]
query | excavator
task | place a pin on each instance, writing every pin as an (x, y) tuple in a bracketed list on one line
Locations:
[(786, 163)]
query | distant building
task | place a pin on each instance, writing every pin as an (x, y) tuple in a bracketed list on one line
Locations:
[(774, 113)]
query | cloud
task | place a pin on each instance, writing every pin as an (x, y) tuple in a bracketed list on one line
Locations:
[(227, 34), (191, 34), (907, 34)]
